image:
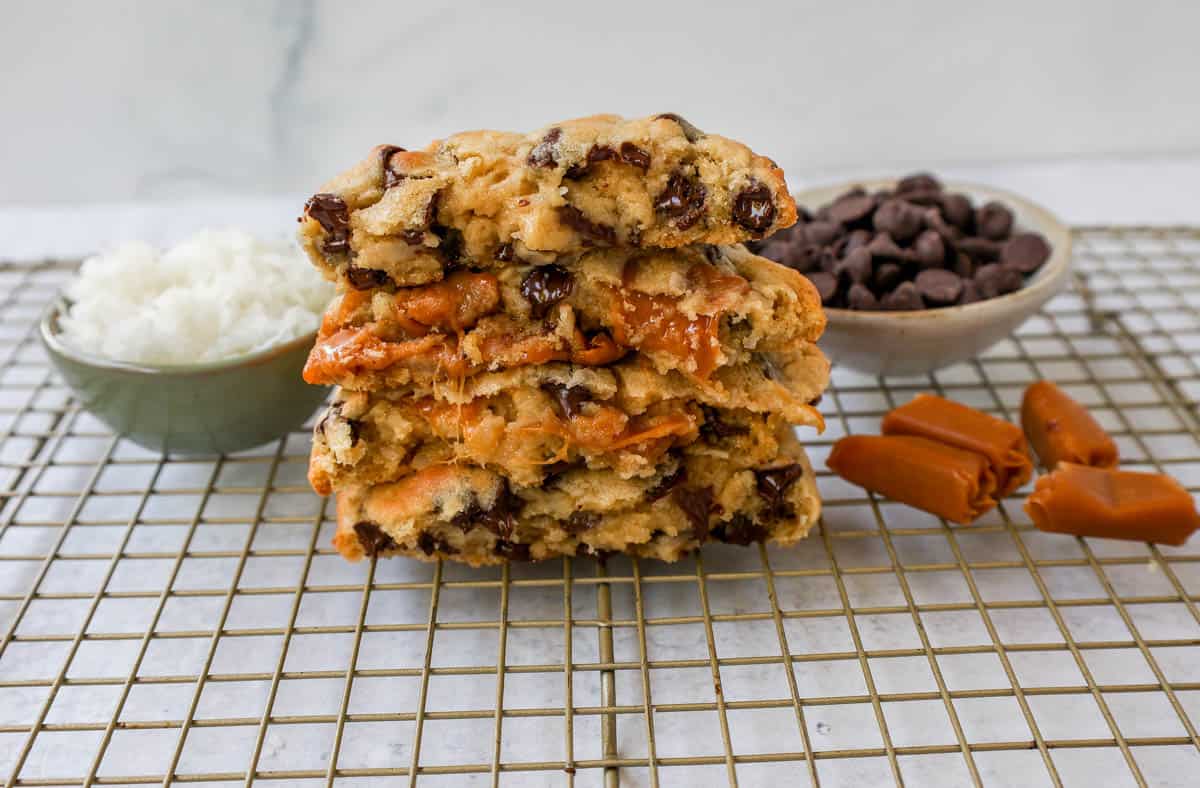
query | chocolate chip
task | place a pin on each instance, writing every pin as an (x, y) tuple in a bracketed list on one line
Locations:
[(924, 197), (850, 209), (372, 538), (668, 483), (544, 286), (1025, 252), (918, 181), (882, 247), (692, 133), (981, 250), (855, 267), (544, 153), (994, 221), (929, 250), (860, 297), (504, 252), (826, 284), (593, 231), (887, 276), (683, 198), (773, 483), (938, 286), (821, 232), (390, 176), (754, 208), (740, 530), (996, 279), (904, 298), (716, 428), (957, 210), (569, 399), (697, 505), (413, 237), (827, 261), (899, 219), (513, 551), (964, 266), (934, 221), (431, 209), (855, 240), (632, 154), (331, 213), (803, 257), (367, 278), (581, 521), (970, 292)]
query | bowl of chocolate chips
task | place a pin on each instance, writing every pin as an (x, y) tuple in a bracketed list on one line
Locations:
[(916, 275)]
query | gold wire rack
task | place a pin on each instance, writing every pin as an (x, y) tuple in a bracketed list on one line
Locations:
[(171, 620)]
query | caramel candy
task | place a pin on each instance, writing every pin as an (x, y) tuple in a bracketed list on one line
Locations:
[(1061, 430), (1146, 507), (945, 421), (951, 483)]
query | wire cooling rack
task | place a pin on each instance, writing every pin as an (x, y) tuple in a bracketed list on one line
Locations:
[(173, 620)]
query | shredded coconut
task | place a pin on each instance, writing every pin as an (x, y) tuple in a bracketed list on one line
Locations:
[(217, 295)]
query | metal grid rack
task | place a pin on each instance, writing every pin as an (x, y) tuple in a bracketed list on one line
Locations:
[(172, 620)]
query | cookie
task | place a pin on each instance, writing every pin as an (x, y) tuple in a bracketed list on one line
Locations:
[(526, 434), (487, 198), (469, 514), (684, 310)]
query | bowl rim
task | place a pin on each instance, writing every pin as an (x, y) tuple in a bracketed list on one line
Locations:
[(50, 333), (1042, 286)]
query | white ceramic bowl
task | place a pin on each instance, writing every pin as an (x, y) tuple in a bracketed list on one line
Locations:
[(915, 343)]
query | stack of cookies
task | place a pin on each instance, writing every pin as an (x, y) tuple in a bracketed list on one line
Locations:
[(555, 344)]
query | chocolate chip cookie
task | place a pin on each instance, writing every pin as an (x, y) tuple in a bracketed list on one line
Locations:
[(476, 516), (487, 198)]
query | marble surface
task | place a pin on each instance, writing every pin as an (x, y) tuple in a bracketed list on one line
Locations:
[(168, 99)]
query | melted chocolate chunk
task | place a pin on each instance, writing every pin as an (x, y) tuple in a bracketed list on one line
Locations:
[(390, 176), (331, 213), (450, 242), (714, 428), (504, 253), (545, 286), (513, 551), (632, 154), (582, 521), (430, 544), (543, 154), (355, 427), (498, 519), (570, 399), (413, 237), (431, 210), (682, 199), (668, 483), (697, 505), (772, 485), (692, 133), (754, 208), (597, 153), (372, 538), (366, 278), (740, 530), (573, 217)]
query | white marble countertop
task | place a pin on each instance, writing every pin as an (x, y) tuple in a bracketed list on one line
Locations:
[(1162, 191)]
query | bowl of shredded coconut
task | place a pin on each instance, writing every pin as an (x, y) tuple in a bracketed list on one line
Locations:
[(196, 348)]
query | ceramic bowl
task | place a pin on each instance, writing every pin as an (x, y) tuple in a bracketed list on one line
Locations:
[(915, 343), (222, 406)]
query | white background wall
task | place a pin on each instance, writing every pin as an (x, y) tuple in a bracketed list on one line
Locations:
[(168, 99)]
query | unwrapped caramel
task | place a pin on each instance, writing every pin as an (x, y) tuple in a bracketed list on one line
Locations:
[(943, 480), (1061, 430), (949, 422), (1147, 507)]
